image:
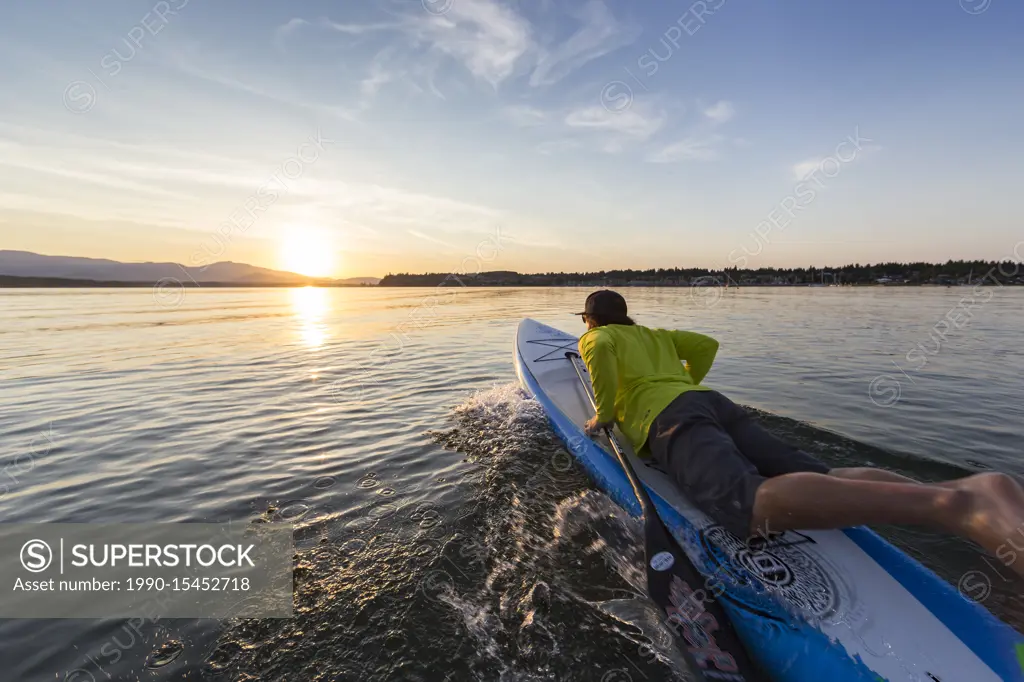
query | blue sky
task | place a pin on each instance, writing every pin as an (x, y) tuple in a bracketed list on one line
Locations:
[(591, 134)]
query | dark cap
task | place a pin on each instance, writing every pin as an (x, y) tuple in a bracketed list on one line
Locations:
[(605, 303)]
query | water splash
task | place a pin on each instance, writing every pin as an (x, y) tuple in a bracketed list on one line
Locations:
[(533, 575), (559, 548), (165, 654)]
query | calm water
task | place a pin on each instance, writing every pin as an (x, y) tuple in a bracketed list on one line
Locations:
[(441, 529)]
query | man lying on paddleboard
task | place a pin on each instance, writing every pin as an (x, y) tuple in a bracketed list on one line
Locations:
[(740, 475)]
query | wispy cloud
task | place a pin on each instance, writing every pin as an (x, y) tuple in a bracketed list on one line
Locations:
[(487, 37), (720, 112), (379, 76), (600, 34), (494, 41), (372, 83), (372, 204), (359, 29), (701, 142), (853, 148), (194, 65), (91, 178), (285, 30), (803, 169), (557, 146), (639, 122), (689, 149), (524, 115), (108, 180), (432, 240)]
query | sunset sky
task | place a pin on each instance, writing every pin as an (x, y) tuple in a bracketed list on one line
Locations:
[(361, 138)]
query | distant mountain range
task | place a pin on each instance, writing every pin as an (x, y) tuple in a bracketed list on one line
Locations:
[(25, 264)]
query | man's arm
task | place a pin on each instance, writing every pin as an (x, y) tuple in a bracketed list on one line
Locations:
[(598, 353), (697, 351)]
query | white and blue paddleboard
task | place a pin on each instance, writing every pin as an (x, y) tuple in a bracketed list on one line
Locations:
[(814, 606)]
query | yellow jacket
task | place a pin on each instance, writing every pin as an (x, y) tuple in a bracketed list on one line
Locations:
[(637, 372)]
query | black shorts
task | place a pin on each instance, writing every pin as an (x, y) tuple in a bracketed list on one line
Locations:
[(719, 456)]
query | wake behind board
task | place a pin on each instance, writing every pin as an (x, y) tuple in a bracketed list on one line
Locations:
[(836, 605)]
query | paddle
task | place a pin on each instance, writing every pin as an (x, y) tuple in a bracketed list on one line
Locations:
[(712, 649)]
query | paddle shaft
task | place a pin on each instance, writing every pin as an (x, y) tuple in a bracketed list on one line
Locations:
[(646, 505)]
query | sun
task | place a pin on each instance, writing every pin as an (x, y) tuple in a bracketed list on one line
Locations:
[(307, 251)]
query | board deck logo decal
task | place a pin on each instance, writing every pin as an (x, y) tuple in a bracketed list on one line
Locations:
[(779, 565), (662, 561)]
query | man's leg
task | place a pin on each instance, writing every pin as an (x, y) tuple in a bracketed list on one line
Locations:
[(870, 474), (774, 457), (798, 495), (883, 476), (986, 508)]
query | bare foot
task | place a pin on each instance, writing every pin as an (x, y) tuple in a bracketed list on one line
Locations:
[(994, 516)]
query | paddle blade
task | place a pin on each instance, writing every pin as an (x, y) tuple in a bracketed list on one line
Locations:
[(690, 603)]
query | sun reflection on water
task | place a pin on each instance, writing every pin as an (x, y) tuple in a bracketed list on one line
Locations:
[(311, 305)]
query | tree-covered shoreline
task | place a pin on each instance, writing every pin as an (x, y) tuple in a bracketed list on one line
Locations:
[(950, 273)]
